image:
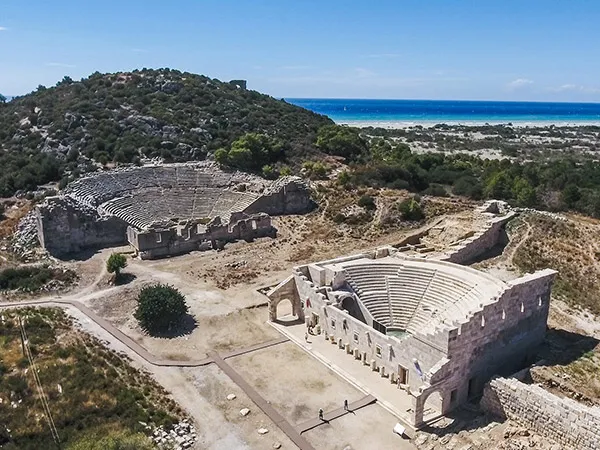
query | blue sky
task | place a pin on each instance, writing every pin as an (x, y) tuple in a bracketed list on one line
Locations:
[(541, 50)]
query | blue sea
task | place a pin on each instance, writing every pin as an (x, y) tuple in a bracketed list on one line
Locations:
[(407, 112)]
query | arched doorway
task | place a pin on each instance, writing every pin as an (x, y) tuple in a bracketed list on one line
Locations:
[(285, 310), (433, 406)]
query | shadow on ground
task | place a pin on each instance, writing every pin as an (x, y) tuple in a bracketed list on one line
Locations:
[(186, 326), (562, 347), (468, 417), (124, 278)]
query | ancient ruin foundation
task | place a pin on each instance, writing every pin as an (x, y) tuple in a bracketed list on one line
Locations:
[(165, 210)]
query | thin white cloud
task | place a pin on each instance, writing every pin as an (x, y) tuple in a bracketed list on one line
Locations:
[(3, 28), (59, 64), (569, 87), (519, 83)]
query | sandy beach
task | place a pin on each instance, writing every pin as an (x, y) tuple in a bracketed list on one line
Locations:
[(393, 124)]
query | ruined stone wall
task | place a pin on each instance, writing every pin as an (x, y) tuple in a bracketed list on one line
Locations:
[(65, 226), (570, 424), (289, 195), (190, 237), (499, 338), (470, 248)]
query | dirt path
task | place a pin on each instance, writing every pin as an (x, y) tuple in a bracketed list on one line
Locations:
[(508, 256)]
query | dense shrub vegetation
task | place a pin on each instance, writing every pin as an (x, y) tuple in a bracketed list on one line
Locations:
[(560, 184), (252, 151), (160, 308), (113, 441), (32, 278), (153, 113)]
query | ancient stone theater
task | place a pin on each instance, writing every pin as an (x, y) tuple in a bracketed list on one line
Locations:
[(437, 329), (165, 210)]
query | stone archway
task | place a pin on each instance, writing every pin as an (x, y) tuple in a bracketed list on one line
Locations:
[(432, 406), (429, 405), (296, 308), (286, 290)]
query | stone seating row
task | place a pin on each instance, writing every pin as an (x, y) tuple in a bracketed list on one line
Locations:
[(101, 187), (162, 205)]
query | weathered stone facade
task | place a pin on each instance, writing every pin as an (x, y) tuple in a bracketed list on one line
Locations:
[(64, 227), (563, 420), (187, 237), (166, 210), (434, 326)]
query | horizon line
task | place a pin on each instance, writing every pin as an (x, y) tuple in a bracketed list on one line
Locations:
[(442, 100)]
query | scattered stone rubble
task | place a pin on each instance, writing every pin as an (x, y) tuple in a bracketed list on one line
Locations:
[(474, 436), (25, 238), (181, 436)]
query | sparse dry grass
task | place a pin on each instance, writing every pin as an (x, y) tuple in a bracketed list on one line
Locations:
[(88, 386), (571, 248)]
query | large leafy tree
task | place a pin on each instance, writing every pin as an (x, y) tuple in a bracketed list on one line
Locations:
[(160, 308)]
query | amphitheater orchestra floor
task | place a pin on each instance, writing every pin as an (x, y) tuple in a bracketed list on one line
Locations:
[(388, 395)]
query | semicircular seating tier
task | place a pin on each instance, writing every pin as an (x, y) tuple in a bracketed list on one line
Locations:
[(412, 295), (165, 195)]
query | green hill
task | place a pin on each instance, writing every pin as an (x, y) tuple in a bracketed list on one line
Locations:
[(123, 117)]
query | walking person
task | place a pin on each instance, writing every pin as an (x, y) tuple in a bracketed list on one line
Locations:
[(346, 405)]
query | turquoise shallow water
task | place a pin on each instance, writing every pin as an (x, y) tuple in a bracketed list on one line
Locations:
[(450, 111)]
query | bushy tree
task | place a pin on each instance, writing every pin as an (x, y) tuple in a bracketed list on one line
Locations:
[(1, 211), (411, 209), (571, 195), (252, 151), (341, 141), (367, 202), (524, 193), (270, 172), (160, 308), (115, 263), (315, 170)]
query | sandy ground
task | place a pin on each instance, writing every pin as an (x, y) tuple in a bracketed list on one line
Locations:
[(239, 432), (297, 385), (293, 382)]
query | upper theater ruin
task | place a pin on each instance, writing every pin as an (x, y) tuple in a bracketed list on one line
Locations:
[(166, 210)]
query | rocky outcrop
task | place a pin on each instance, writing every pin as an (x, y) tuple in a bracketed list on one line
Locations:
[(287, 195)]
